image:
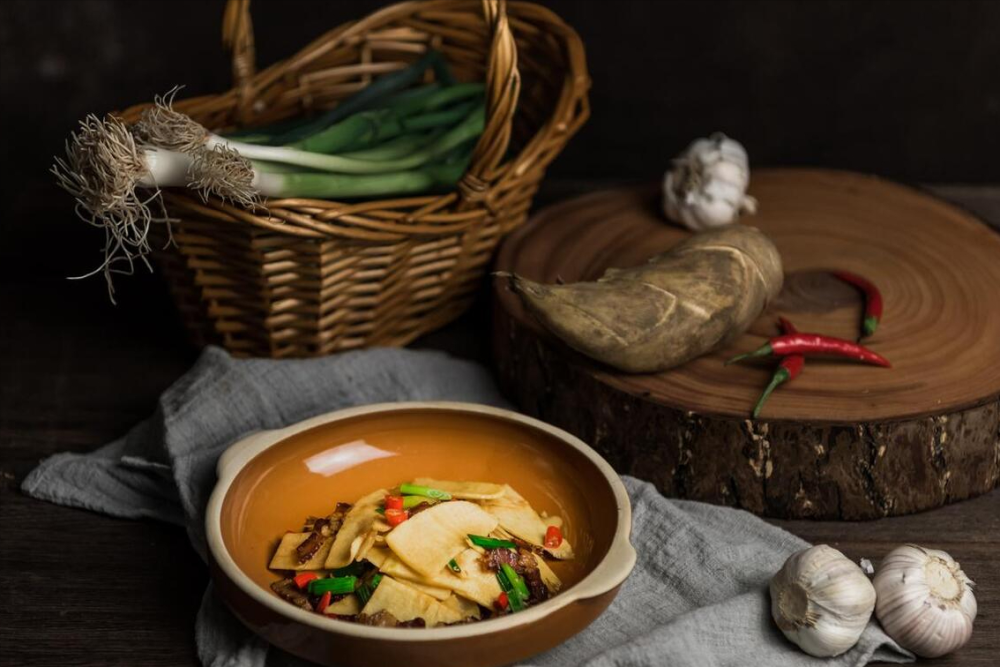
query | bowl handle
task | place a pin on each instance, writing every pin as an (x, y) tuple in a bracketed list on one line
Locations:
[(612, 571), (234, 454)]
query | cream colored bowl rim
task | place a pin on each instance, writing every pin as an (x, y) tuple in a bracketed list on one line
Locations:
[(611, 571)]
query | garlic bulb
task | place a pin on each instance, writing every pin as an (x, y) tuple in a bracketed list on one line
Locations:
[(707, 185), (925, 601), (821, 601)]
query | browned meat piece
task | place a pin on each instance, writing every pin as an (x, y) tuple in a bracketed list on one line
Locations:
[(416, 509), (287, 590), (539, 591), (527, 546), (321, 530), (309, 546), (493, 558)]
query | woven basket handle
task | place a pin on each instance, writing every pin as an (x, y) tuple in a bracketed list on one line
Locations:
[(237, 36), (503, 85)]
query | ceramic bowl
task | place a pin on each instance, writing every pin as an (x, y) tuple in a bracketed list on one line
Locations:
[(271, 480)]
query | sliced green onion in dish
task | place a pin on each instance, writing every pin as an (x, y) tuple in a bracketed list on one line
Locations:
[(355, 569), (491, 543), (409, 502), (367, 588), (516, 581), (426, 491), (453, 566), (514, 598), (333, 585)]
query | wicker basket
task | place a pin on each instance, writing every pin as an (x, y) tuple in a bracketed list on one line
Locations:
[(312, 277)]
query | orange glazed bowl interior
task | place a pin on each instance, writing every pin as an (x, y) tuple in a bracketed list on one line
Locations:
[(270, 481)]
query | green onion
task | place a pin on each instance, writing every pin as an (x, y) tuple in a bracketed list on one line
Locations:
[(516, 581), (470, 127), (397, 147), (426, 491), (367, 128), (453, 566), (372, 95), (334, 585), (355, 569), (491, 543), (380, 510), (410, 502), (513, 596), (367, 588), (325, 185)]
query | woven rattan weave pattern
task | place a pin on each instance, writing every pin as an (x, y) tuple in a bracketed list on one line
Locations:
[(311, 277)]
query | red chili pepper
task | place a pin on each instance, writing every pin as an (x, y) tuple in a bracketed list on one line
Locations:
[(394, 502), (810, 343), (502, 601), (396, 517), (873, 300), (324, 602), (302, 579), (553, 537), (787, 370)]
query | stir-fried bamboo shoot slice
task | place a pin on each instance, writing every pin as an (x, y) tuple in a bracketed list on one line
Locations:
[(406, 603), (427, 541), (466, 608), (436, 592), (358, 522), (286, 557), (345, 606), (520, 519), (479, 583), (463, 490), (549, 577)]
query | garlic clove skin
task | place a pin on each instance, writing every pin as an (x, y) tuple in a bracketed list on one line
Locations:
[(706, 187), (821, 601), (925, 601)]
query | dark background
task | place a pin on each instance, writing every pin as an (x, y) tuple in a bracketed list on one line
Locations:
[(909, 90), (906, 90)]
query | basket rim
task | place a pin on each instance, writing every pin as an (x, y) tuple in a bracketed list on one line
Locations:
[(477, 195)]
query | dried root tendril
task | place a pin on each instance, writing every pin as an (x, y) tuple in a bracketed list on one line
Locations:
[(223, 172), (161, 126), (102, 169)]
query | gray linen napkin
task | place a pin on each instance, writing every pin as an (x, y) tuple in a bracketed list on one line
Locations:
[(698, 595)]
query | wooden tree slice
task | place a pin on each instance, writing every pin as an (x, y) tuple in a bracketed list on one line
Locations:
[(841, 441)]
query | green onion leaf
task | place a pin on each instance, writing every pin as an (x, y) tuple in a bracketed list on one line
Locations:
[(491, 543), (425, 491), (333, 585), (453, 566), (380, 510)]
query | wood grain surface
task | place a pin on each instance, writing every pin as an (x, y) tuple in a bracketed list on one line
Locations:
[(82, 589), (844, 440)]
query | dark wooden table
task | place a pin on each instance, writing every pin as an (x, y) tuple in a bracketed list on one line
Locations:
[(78, 588)]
